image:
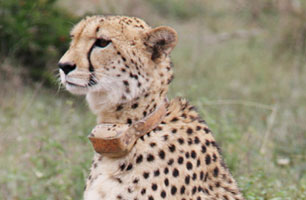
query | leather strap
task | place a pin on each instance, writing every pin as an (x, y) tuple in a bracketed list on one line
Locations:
[(120, 143)]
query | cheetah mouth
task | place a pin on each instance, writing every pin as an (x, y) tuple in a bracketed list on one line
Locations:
[(75, 85)]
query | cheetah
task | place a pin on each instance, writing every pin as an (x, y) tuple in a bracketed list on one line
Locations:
[(123, 67)]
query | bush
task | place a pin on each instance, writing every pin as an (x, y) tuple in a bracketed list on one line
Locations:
[(34, 32)]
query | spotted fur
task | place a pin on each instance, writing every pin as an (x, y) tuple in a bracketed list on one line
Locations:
[(122, 65)]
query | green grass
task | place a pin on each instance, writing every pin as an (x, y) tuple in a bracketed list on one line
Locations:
[(45, 153), (252, 97)]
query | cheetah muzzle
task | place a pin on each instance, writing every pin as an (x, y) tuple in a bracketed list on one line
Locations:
[(123, 67)]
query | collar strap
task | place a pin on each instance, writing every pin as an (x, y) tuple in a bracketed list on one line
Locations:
[(115, 140)]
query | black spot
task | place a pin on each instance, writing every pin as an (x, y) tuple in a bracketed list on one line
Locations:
[(180, 140), (154, 187), (194, 190), (125, 82), (135, 181), (198, 162), (207, 142), (193, 154), (174, 130), (206, 130), (207, 159), (175, 173), (189, 141), (206, 177), (127, 90), (161, 154), (180, 160), (165, 137), (196, 140), (215, 157), (152, 144), (174, 119), (144, 113), (194, 176), (146, 175), (192, 108), (172, 147), (156, 172), (189, 131), (173, 190), (198, 128), (122, 167), (166, 170), (166, 181), (203, 149), (187, 180), (129, 167), (189, 165), (163, 194), (143, 191), (139, 159), (201, 175), (187, 154), (218, 184), (135, 105), (119, 107), (170, 162), (183, 189), (216, 172), (206, 191), (129, 121), (150, 158)]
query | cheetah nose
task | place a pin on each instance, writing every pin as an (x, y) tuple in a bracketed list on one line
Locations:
[(66, 67)]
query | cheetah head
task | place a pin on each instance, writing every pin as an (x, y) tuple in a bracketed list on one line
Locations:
[(117, 58)]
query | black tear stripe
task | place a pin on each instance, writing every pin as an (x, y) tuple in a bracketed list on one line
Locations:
[(91, 69)]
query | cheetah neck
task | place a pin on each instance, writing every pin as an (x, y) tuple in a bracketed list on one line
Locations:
[(127, 112)]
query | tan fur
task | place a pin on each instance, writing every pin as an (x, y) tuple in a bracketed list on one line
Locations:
[(126, 81)]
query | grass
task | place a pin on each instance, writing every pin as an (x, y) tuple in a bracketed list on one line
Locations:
[(252, 98)]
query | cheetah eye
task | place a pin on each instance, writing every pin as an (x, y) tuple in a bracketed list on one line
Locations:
[(102, 43)]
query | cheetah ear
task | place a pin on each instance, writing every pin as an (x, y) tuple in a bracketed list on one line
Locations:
[(160, 41)]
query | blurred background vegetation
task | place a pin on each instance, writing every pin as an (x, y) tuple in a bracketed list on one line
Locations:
[(241, 62)]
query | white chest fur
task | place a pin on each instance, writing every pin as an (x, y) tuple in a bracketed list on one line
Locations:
[(104, 181)]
